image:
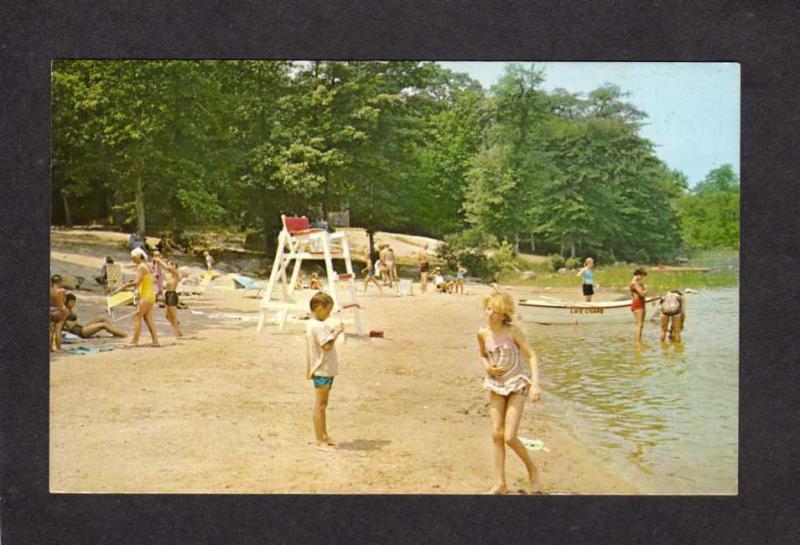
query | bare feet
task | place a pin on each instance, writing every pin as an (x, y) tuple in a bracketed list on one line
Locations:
[(499, 489), (328, 441)]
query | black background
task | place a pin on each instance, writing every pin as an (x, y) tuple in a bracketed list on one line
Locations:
[(760, 36)]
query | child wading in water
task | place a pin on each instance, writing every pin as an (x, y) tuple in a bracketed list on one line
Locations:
[(321, 364), (512, 374)]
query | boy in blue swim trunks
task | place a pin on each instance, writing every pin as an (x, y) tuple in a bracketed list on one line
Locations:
[(321, 364)]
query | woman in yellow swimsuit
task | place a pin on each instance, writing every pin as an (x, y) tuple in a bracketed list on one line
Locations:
[(147, 297)]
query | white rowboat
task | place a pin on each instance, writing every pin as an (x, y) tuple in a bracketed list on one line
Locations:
[(556, 311)]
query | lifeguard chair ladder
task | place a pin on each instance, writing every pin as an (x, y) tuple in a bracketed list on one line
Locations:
[(298, 241)]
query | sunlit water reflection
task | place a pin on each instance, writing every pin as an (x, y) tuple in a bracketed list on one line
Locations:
[(665, 416)]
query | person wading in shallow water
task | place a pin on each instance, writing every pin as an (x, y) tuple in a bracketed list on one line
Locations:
[(638, 293)]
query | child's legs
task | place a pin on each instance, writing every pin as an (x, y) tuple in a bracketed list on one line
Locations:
[(172, 318), (320, 404), (497, 410), (514, 409), (424, 282), (58, 327)]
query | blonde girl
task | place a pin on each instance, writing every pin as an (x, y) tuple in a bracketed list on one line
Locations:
[(511, 375)]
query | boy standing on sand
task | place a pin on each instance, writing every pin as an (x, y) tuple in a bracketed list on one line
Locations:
[(321, 364)]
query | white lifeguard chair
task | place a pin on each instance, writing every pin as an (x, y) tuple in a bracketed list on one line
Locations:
[(298, 241)]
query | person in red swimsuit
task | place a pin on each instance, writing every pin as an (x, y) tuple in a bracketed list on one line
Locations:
[(638, 292)]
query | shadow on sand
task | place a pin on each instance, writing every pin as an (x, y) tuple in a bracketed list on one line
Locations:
[(364, 444)]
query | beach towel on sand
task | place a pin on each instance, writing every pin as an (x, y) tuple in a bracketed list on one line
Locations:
[(84, 350)]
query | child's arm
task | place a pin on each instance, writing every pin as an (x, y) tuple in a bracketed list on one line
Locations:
[(580, 272), (336, 332), (527, 351)]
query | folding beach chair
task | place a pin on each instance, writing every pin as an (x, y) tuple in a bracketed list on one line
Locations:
[(115, 297), (248, 284)]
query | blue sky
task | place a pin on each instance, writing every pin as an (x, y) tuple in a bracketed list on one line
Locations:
[(693, 108)]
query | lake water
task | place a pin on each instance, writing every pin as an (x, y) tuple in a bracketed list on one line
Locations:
[(664, 416)]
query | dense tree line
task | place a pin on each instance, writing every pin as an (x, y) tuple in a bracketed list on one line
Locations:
[(403, 145)]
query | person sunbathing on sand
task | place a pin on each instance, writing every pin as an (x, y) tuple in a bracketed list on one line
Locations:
[(511, 375), (88, 330), (314, 283)]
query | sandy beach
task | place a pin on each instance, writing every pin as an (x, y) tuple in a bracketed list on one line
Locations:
[(228, 410)]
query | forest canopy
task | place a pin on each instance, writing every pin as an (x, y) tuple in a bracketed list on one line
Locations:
[(402, 145)]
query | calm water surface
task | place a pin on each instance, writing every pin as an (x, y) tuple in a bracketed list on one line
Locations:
[(664, 416)]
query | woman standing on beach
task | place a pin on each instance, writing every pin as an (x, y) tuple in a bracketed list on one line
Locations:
[(587, 274), (147, 297), (512, 374), (638, 293), (423, 268)]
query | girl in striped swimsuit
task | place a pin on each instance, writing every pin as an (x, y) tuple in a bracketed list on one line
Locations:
[(512, 374)]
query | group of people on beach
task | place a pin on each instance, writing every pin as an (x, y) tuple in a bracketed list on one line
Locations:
[(152, 280), (672, 303)]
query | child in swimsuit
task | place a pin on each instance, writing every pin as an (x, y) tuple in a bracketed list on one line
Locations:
[(587, 274), (638, 293), (147, 297), (58, 311), (171, 293), (459, 282), (512, 374), (369, 272)]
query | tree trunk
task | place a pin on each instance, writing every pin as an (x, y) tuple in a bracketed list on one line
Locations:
[(572, 249), (533, 244), (67, 215), (370, 236), (140, 219), (516, 243)]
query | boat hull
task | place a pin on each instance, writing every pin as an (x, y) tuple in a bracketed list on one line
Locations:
[(567, 313)]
